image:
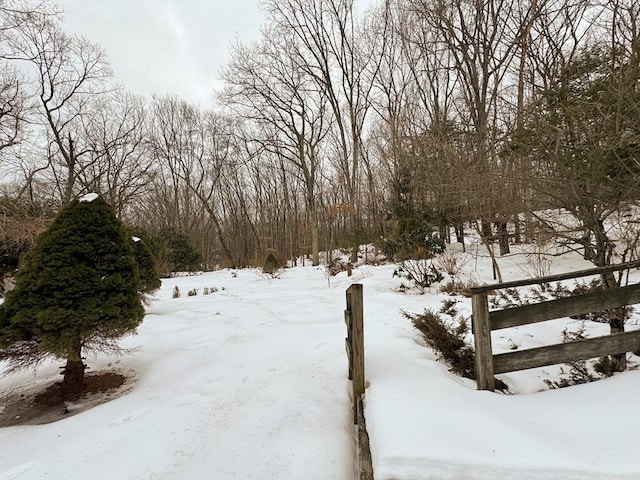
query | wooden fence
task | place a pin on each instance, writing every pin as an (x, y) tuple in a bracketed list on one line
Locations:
[(354, 318), (485, 321)]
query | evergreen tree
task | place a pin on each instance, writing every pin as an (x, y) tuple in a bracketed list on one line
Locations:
[(149, 277), (77, 292), (183, 257)]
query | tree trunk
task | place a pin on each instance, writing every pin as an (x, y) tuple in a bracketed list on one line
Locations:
[(356, 236), (73, 381), (617, 318), (517, 236), (460, 235), (487, 232), (445, 233), (503, 237), (497, 274), (315, 244), (616, 325)]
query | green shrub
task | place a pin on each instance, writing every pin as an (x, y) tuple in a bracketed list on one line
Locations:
[(421, 243), (448, 342), (149, 276), (605, 366), (449, 307), (273, 263), (581, 371), (77, 291), (177, 253)]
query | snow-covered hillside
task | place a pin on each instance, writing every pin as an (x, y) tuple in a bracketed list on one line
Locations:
[(250, 382)]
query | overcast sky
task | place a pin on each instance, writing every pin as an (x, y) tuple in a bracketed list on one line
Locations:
[(166, 46)]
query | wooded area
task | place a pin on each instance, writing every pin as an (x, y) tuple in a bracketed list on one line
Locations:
[(339, 127)]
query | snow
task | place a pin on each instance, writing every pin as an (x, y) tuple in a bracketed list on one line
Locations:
[(89, 197), (250, 382)]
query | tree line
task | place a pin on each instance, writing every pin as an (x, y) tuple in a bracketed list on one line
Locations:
[(341, 125)]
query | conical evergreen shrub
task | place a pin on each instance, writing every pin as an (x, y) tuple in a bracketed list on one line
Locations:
[(77, 291)]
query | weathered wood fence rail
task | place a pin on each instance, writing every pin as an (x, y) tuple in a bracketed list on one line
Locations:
[(485, 321), (354, 343)]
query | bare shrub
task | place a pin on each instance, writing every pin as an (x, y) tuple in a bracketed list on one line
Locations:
[(421, 272), (336, 265), (458, 287), (540, 261), (451, 262)]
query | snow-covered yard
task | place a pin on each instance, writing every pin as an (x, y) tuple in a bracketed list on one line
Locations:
[(250, 382)]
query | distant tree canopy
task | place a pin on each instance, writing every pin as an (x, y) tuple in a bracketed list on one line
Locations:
[(336, 128), (78, 291)]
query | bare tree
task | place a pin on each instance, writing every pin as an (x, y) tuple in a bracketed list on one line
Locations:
[(14, 15), (267, 86), (340, 63), (192, 149), (69, 73), (432, 166), (118, 164), (12, 109), (582, 139)]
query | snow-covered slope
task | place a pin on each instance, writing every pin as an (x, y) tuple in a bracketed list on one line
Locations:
[(250, 382)]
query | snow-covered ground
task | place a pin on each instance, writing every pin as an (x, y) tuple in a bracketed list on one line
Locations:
[(250, 382)]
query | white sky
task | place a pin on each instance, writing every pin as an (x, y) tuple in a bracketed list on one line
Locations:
[(166, 46)]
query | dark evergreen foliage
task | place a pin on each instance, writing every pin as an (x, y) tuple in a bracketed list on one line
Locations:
[(419, 243), (77, 291), (182, 256), (448, 341), (146, 263), (273, 263), (8, 260)]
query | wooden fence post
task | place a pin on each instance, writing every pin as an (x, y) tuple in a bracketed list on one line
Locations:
[(482, 339), (348, 342), (355, 316)]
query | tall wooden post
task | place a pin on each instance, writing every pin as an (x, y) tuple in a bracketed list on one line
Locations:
[(482, 339), (354, 317)]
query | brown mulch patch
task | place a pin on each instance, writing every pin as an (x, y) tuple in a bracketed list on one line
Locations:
[(28, 406)]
